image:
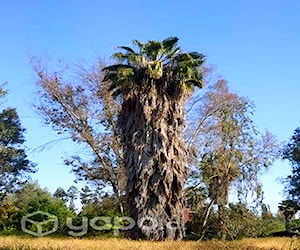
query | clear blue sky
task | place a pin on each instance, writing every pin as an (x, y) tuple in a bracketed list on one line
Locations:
[(255, 45)]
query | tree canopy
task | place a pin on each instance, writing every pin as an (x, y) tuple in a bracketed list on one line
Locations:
[(230, 150), (155, 60), (14, 163), (291, 152)]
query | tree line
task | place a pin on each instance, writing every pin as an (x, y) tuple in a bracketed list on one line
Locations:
[(165, 143)]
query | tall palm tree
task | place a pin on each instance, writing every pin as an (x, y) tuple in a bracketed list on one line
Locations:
[(153, 82)]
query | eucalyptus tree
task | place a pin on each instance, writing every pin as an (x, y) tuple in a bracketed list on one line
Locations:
[(153, 83), (231, 151), (81, 108)]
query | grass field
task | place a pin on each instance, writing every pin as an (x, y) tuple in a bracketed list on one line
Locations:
[(25, 243)]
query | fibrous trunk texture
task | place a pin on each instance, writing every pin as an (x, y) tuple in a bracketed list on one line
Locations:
[(151, 123)]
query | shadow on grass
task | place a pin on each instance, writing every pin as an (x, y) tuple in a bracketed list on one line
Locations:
[(285, 234)]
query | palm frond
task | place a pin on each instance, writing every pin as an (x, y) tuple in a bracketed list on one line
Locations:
[(183, 57), (194, 82), (110, 76), (170, 42), (116, 67), (196, 55), (120, 56), (172, 53), (139, 44), (118, 75), (137, 60), (152, 49), (128, 49)]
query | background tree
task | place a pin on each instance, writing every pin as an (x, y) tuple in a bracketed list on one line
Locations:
[(8, 210), (291, 152), (153, 84), (14, 164), (86, 195), (28, 199), (230, 149), (289, 208), (83, 108), (61, 194), (72, 194)]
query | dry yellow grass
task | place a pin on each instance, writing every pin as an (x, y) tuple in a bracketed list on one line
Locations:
[(16, 243)]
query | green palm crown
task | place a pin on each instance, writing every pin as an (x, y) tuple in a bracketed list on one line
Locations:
[(159, 62)]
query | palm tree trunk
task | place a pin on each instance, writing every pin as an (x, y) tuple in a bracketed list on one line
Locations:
[(155, 158)]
